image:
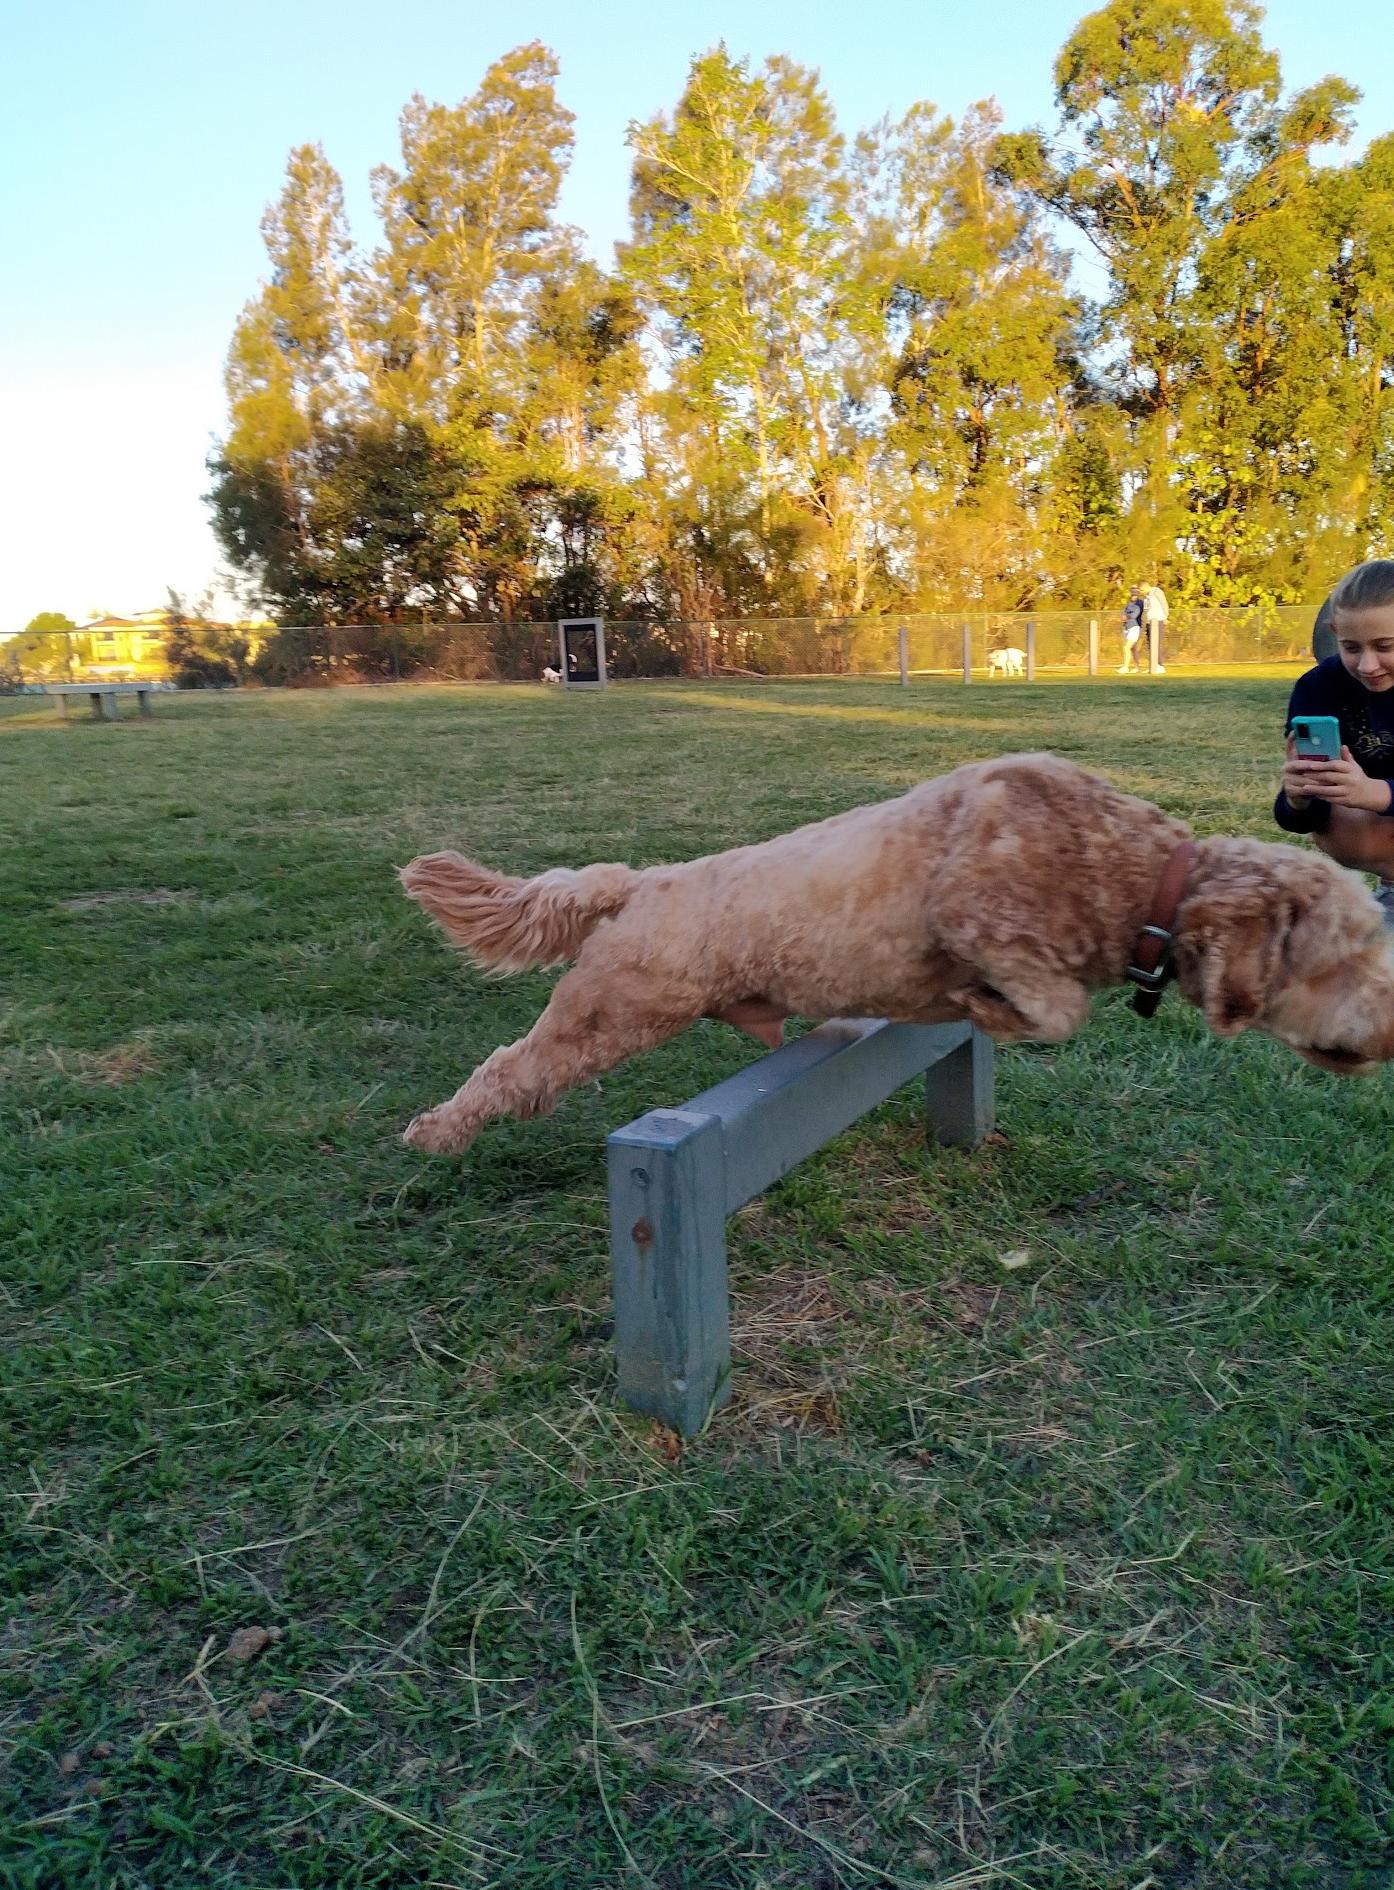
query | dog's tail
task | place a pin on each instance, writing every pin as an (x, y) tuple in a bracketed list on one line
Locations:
[(512, 924)]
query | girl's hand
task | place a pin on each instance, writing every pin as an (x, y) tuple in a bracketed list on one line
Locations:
[(1342, 783), (1295, 789)]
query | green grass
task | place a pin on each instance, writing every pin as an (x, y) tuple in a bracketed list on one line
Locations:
[(1075, 1572)]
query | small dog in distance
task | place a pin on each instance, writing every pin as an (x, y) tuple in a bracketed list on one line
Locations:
[(1008, 662)]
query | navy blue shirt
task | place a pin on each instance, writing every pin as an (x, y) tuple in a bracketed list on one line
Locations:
[(1367, 729)]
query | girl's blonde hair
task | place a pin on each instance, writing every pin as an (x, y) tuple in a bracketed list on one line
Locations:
[(1367, 587)]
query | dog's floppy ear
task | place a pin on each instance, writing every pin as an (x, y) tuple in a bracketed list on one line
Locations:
[(1235, 941)]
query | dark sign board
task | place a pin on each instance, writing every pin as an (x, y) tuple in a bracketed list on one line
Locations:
[(582, 641)]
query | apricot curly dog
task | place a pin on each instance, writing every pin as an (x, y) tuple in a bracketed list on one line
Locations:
[(1004, 893)]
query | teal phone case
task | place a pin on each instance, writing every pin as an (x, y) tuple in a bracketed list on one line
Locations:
[(1317, 737)]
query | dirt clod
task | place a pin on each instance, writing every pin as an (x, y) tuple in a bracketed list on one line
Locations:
[(247, 1642)]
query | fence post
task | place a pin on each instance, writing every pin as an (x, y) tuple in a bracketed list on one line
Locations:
[(968, 652), (1030, 649), (1093, 646), (904, 642), (1154, 637)]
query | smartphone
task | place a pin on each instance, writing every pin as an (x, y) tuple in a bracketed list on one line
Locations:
[(1316, 737)]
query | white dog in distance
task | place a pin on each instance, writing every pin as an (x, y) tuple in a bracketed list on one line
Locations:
[(1009, 662), (549, 674)]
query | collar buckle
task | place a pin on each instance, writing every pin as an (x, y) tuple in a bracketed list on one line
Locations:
[(1163, 971), (1151, 965)]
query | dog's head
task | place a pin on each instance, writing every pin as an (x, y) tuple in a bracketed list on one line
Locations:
[(1276, 939)]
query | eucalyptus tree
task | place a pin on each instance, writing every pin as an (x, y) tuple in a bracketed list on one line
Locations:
[(983, 334), (745, 257)]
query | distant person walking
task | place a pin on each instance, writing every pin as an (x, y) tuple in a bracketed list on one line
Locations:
[(1154, 621), (1132, 633)]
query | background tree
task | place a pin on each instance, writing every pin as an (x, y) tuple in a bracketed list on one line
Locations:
[(984, 341), (828, 377), (47, 646), (191, 646), (1178, 163), (295, 368), (743, 255), (1356, 210)]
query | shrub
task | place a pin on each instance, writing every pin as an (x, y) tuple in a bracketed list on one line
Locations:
[(198, 670)]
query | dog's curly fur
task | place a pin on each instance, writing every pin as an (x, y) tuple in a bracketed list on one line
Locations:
[(1005, 893)]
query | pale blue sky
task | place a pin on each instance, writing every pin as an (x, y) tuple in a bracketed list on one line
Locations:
[(140, 143)]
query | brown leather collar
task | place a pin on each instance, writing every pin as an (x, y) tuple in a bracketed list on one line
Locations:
[(1151, 968)]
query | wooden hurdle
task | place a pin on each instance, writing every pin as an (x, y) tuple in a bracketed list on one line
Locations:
[(676, 1175)]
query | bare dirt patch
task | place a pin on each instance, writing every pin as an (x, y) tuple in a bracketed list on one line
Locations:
[(787, 1307), (773, 1329), (122, 1063)]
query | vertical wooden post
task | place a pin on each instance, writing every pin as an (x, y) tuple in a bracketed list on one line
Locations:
[(668, 1263), (1030, 649), (960, 1104), (1154, 637), (1093, 646), (968, 652), (903, 641)]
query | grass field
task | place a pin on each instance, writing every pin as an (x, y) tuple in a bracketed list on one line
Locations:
[(1047, 1542)]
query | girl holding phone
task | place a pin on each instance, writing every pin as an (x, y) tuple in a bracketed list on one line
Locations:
[(1338, 779)]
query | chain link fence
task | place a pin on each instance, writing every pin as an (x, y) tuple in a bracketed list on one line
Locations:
[(935, 645)]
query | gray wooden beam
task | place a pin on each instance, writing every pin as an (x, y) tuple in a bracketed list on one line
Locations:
[(676, 1174), (960, 1093), (668, 1260)]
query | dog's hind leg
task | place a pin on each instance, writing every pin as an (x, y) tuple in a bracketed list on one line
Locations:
[(599, 1014)]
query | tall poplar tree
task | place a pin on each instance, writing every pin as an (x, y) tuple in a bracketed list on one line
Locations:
[(290, 378)]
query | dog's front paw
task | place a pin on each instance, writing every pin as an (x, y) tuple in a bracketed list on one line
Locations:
[(995, 1015), (438, 1131)]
